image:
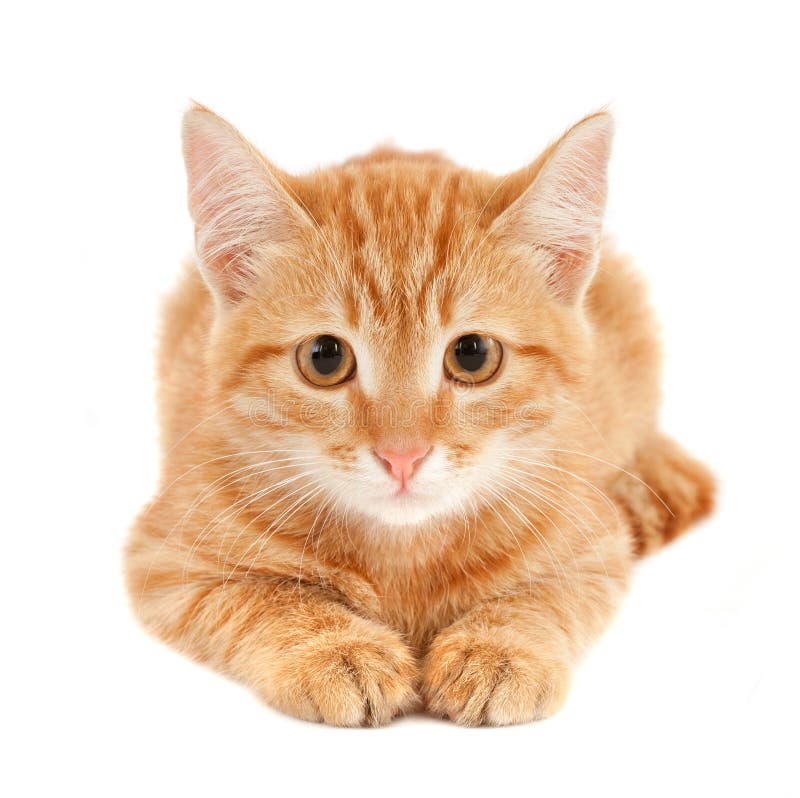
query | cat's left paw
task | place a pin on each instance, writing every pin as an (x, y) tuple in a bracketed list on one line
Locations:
[(494, 680)]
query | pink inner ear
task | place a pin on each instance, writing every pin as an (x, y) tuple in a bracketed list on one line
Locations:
[(235, 201), (560, 215), (571, 269)]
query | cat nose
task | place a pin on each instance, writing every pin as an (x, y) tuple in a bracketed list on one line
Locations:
[(401, 463)]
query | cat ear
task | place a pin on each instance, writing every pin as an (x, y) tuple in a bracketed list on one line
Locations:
[(560, 215), (236, 200)]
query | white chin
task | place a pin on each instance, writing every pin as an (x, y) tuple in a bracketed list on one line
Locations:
[(405, 510)]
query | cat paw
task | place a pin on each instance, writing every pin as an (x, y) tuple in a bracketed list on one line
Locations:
[(491, 680), (351, 677)]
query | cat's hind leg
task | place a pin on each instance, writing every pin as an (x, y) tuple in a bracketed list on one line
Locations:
[(665, 491)]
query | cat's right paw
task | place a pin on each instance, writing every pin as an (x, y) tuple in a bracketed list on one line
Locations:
[(362, 675)]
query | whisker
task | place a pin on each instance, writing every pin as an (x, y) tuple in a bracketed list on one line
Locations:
[(561, 488), (240, 505), (286, 516), (531, 526), (618, 468), (562, 510), (252, 521), (609, 502)]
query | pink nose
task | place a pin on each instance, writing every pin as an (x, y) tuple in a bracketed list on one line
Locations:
[(402, 464)]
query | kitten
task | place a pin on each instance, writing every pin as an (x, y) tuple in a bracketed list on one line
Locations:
[(409, 417)]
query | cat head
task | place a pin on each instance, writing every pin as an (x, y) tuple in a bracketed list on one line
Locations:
[(399, 332)]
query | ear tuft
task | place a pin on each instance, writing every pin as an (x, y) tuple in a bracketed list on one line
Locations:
[(236, 200), (560, 215)]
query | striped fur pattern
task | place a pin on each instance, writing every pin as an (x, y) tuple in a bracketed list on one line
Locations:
[(279, 551)]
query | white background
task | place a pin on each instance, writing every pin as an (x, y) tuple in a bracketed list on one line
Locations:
[(695, 687)]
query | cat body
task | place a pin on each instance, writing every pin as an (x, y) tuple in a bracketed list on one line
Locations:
[(409, 416)]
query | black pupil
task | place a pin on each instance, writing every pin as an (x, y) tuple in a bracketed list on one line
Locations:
[(327, 354), (470, 352)]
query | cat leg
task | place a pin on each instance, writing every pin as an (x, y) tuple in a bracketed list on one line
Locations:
[(509, 660), (298, 648), (666, 491)]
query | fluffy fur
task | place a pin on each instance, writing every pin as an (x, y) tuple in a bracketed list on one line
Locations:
[(279, 551)]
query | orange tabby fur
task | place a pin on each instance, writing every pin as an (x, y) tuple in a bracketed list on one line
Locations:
[(260, 556)]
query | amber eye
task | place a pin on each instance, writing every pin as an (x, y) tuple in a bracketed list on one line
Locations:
[(326, 361), (472, 358)]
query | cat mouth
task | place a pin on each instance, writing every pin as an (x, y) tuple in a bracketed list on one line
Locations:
[(410, 490), (407, 496), (404, 508)]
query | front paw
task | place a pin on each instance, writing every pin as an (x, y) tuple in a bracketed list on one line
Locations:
[(361, 675), (492, 677)]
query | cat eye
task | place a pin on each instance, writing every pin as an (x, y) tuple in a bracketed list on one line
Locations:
[(326, 361), (473, 358)]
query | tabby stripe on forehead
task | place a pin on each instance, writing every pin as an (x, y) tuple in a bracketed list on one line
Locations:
[(356, 202), (442, 239), (365, 279)]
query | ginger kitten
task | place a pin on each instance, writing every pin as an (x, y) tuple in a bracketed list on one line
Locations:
[(409, 420)]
